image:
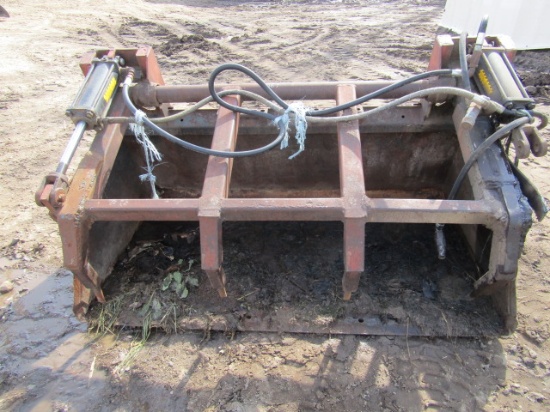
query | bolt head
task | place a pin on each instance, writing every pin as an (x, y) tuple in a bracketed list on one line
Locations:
[(60, 195)]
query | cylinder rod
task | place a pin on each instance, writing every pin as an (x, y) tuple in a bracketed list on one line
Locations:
[(68, 154)]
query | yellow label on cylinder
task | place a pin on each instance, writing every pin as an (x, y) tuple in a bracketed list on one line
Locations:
[(109, 92), (485, 81)]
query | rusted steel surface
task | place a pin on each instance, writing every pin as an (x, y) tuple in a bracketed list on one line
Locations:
[(396, 167), (352, 186), (367, 325), (407, 119), (433, 211), (444, 45), (88, 182), (509, 231), (308, 209), (152, 95), (216, 187), (441, 52), (142, 209)]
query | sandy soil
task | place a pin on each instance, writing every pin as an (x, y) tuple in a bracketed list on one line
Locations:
[(48, 362)]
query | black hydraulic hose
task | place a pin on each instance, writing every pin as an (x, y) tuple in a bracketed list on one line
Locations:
[(253, 76), (187, 145), (464, 61), (284, 105), (483, 24), (534, 113), (272, 94), (499, 134), (382, 91)]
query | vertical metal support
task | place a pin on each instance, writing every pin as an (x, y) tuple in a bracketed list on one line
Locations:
[(215, 189), (512, 225), (212, 249), (441, 52), (352, 186), (74, 232), (147, 61), (82, 297)]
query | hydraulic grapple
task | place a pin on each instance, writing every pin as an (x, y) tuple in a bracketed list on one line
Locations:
[(433, 149)]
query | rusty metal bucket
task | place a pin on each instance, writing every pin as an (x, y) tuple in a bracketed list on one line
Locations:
[(395, 168)]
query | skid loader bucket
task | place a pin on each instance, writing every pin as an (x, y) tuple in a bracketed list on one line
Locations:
[(340, 239)]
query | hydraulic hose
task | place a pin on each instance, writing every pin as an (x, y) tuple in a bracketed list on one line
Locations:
[(499, 134), (284, 105), (464, 61), (483, 101), (487, 104), (314, 116), (483, 24), (187, 145), (311, 116), (382, 91), (253, 76), (209, 99)]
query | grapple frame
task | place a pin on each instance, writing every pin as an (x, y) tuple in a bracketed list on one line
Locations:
[(99, 211)]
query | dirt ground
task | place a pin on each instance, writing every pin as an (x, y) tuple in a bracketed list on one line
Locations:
[(48, 362)]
